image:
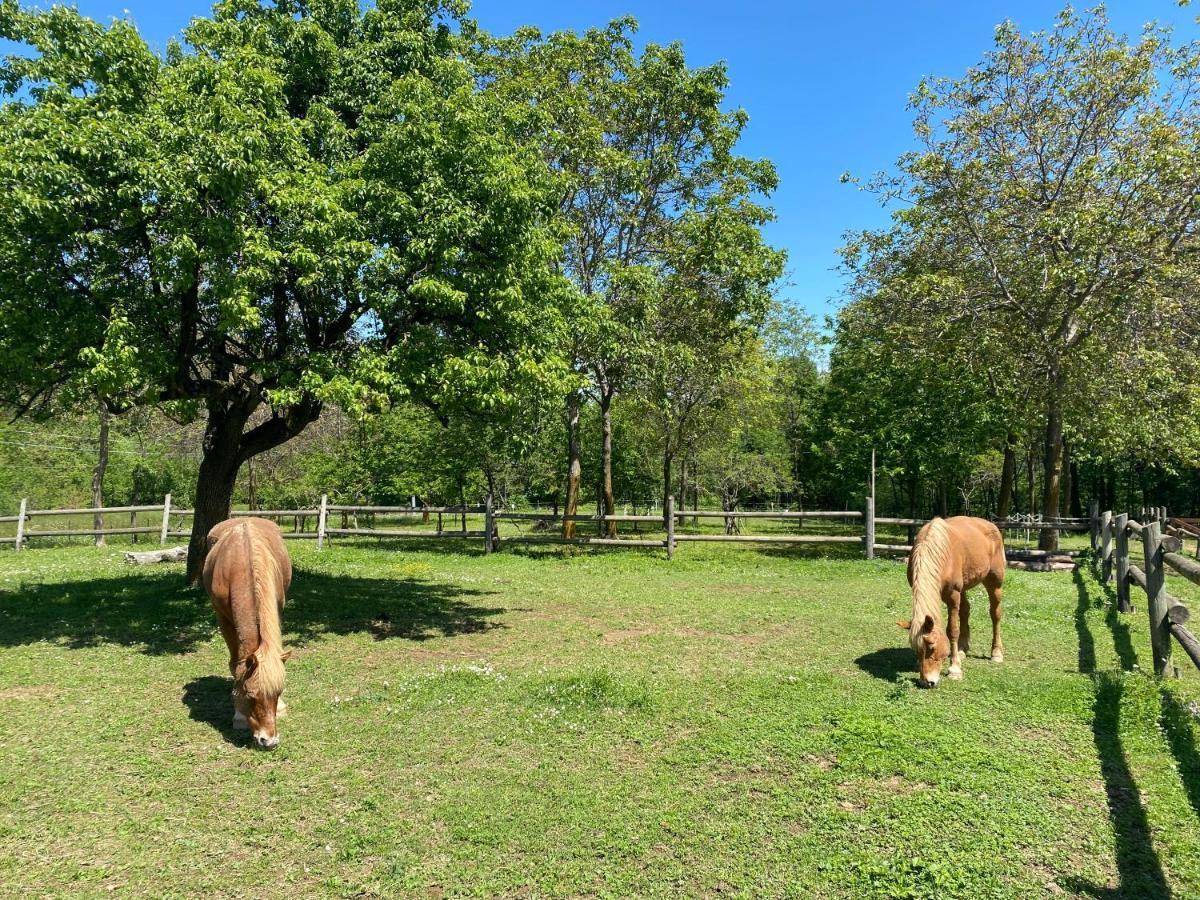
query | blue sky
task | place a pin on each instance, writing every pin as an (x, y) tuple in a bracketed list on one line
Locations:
[(825, 84)]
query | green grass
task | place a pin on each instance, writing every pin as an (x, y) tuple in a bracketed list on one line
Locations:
[(738, 721)]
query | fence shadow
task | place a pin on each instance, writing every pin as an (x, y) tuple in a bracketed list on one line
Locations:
[(1138, 866), (1179, 726), (160, 615), (1139, 870)]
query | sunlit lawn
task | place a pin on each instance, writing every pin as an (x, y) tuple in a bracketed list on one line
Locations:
[(737, 721)]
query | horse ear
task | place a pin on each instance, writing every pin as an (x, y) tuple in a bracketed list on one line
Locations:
[(285, 656), (928, 626), (903, 624)]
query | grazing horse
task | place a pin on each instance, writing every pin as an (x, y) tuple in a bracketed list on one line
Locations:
[(247, 573), (950, 557)]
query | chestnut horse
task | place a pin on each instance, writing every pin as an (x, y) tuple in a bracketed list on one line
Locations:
[(950, 557), (247, 573)]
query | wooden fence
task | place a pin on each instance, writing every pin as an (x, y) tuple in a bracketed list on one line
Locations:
[(1162, 540), (172, 519)]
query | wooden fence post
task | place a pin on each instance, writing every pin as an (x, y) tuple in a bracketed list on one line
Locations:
[(1121, 527), (488, 524), (21, 524), (166, 522), (1093, 523), (869, 520), (1156, 591), (1106, 519), (670, 511), (322, 517)]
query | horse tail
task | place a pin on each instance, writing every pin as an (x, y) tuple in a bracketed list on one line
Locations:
[(265, 578), (928, 561)]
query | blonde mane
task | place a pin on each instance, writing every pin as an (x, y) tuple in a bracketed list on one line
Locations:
[(928, 561), (265, 578)]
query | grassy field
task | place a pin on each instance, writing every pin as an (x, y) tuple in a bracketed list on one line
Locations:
[(572, 723)]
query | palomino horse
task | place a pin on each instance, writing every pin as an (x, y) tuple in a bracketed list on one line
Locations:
[(950, 557), (247, 573)]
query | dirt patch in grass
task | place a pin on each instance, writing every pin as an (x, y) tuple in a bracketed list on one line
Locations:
[(627, 634), (29, 692)]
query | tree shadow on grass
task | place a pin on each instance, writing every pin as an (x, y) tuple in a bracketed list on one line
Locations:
[(209, 700), (159, 614), (889, 664)]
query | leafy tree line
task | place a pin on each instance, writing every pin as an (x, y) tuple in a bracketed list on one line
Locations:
[(375, 252)]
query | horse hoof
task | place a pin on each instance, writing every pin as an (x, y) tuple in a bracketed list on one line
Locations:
[(955, 674), (997, 657)]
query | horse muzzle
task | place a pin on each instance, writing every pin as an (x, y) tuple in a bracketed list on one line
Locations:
[(265, 742)]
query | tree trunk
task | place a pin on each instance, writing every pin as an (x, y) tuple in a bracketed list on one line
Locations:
[(610, 504), (668, 459), (943, 500), (728, 503), (683, 483), (215, 481), (1052, 463), (574, 466), (1068, 483), (98, 475), (1076, 504), (251, 488), (1029, 475), (1007, 477), (226, 447)]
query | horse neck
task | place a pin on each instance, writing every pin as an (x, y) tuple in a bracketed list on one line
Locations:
[(264, 581), (928, 563)]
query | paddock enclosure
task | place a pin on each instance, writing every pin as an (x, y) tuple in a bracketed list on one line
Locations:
[(555, 721)]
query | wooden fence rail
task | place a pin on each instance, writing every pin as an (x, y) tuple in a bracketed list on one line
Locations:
[(1111, 539), (671, 519)]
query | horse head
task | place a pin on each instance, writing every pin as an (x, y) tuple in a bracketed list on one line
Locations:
[(256, 698), (932, 647)]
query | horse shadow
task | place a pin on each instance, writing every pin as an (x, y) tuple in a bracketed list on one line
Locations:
[(208, 700), (889, 664), (158, 614)]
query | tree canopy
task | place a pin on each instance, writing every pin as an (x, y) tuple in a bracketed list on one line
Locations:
[(304, 203)]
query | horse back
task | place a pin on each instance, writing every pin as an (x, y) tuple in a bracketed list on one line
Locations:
[(979, 546)]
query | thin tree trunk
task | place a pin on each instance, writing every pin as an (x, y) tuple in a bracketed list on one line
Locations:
[(683, 482), (1007, 477), (1068, 482), (251, 487), (1030, 486), (574, 466), (1076, 505), (610, 505), (668, 459), (1052, 464), (98, 475)]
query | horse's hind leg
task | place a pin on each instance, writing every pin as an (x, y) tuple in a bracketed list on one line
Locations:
[(995, 595), (964, 628)]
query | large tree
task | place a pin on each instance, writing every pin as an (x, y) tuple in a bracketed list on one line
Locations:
[(312, 202), (649, 180), (1049, 212)]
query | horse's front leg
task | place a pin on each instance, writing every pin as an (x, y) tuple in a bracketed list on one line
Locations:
[(953, 607)]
